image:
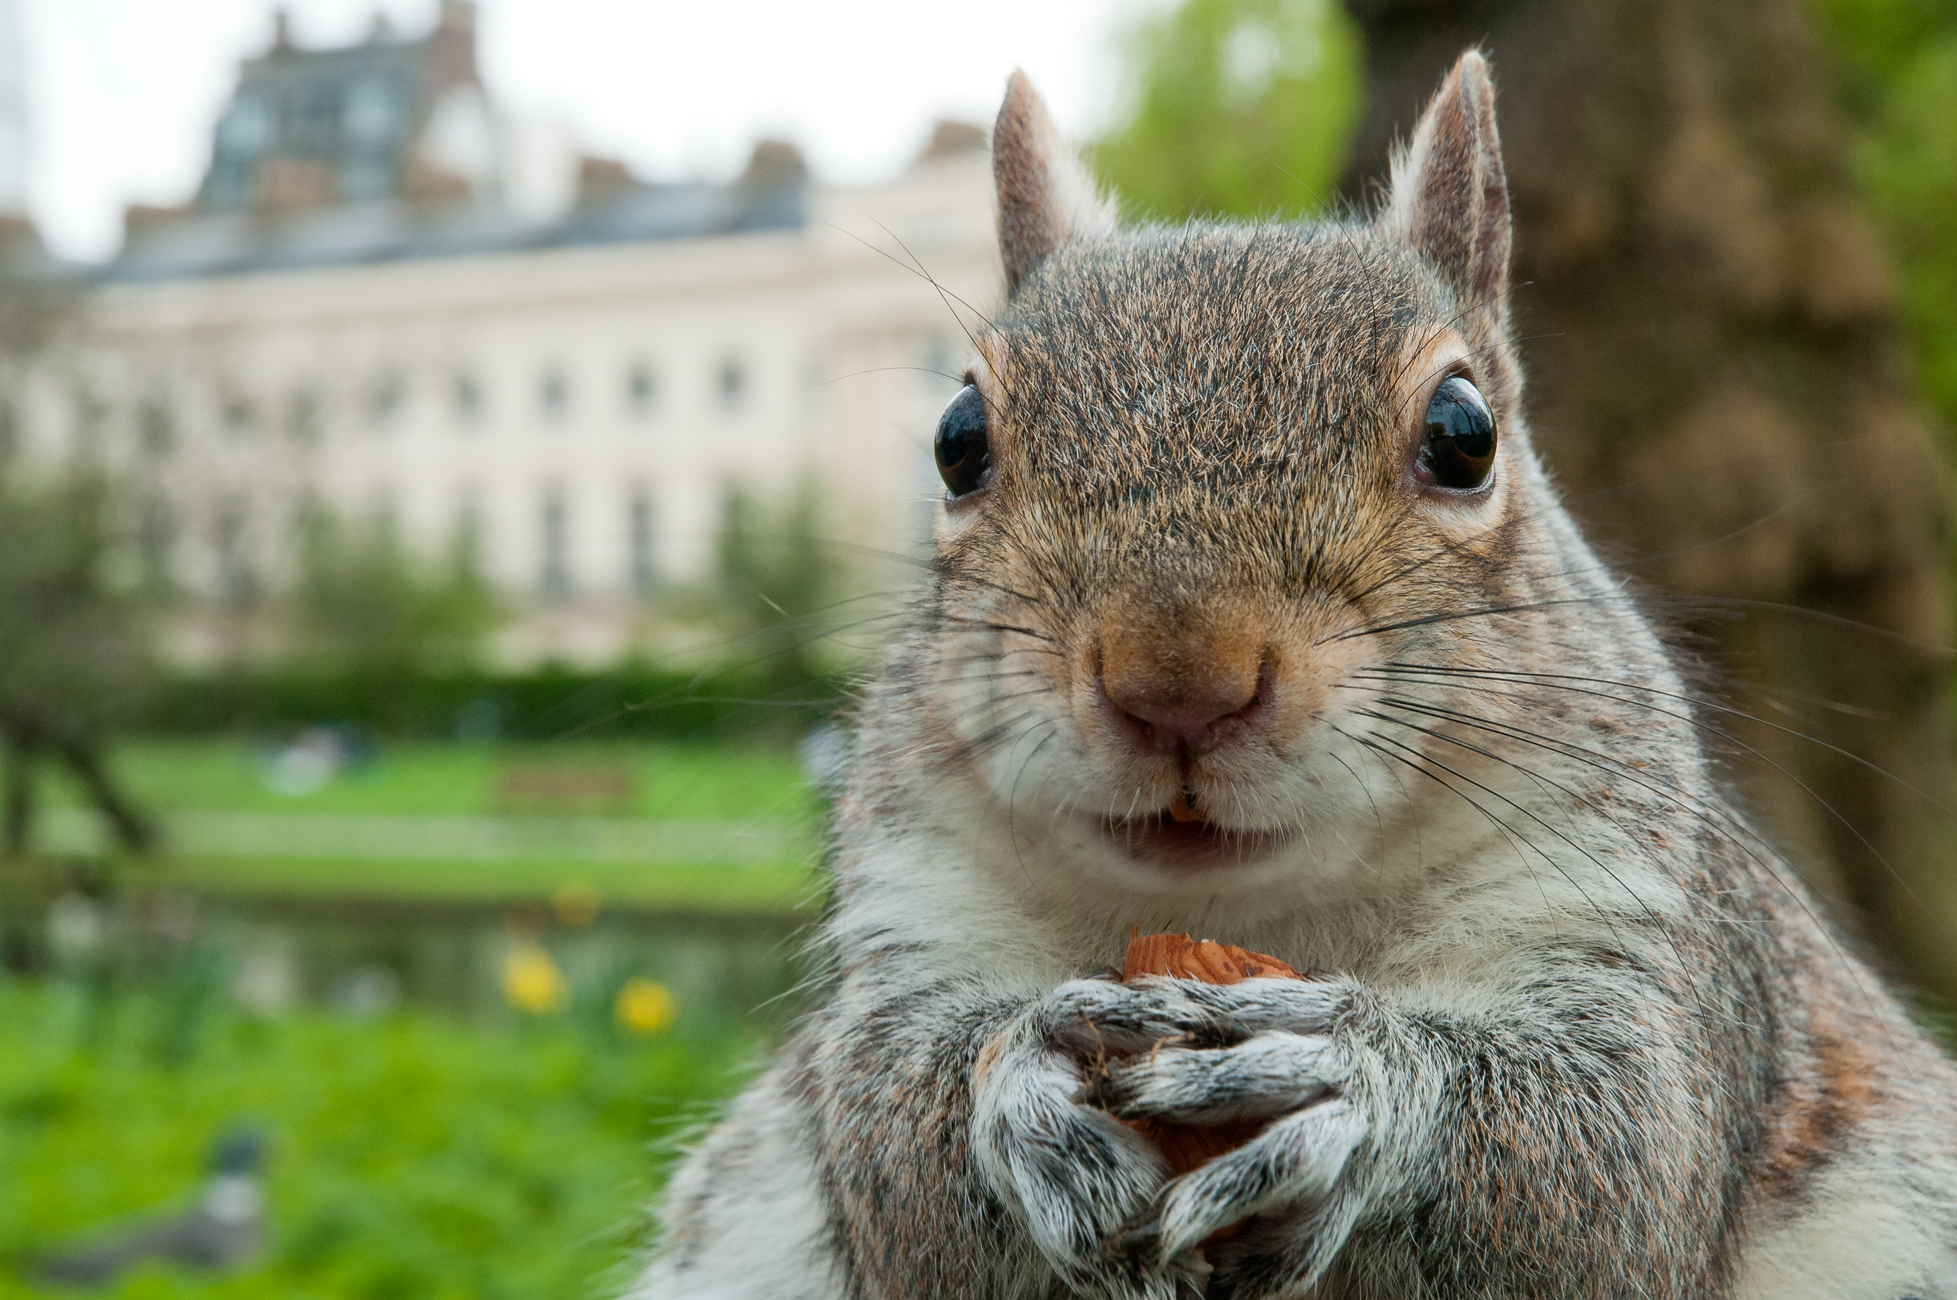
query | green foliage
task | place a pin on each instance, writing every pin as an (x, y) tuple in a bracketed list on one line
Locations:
[(776, 578), (1907, 164), (413, 1156), (362, 604), (1873, 42), (73, 652), (1239, 107), (633, 700), (1897, 66)]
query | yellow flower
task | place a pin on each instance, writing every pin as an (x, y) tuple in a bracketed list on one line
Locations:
[(644, 1006), (532, 982)]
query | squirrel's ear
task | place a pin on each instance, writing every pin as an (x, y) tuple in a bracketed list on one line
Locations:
[(1450, 195), (1046, 196)]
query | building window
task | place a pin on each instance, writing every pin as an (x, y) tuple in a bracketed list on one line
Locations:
[(156, 537), (554, 397), (639, 390), (468, 398), (371, 114), (302, 417), (469, 533), (155, 430), (385, 398), (639, 543), (237, 414), (555, 575), (91, 419), (733, 384), (235, 585)]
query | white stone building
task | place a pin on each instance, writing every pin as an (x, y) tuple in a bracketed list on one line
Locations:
[(572, 393)]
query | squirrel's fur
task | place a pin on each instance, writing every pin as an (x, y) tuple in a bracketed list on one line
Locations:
[(1571, 1026)]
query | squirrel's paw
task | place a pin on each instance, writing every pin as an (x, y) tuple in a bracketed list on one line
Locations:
[(1262, 1049), (1074, 1172), (1267, 1074), (1292, 1175)]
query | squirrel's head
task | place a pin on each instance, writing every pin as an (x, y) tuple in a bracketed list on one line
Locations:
[(1202, 476)]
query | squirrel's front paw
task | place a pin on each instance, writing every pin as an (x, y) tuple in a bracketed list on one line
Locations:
[(1288, 1189), (1076, 1174), (1288, 1194)]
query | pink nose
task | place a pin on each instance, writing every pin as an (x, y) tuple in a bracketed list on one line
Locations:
[(1194, 709)]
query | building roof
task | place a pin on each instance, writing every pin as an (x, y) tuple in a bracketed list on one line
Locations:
[(235, 243), (383, 150)]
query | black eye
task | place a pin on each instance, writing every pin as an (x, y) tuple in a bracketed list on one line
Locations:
[(1459, 449), (963, 457)]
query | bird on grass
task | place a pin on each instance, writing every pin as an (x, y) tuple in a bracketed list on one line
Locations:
[(225, 1227)]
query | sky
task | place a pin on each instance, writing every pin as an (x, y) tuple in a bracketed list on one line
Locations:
[(122, 94)]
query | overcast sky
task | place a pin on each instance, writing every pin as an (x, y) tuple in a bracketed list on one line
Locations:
[(123, 93)]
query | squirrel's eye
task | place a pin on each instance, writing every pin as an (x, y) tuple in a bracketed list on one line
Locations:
[(1459, 449), (963, 457)]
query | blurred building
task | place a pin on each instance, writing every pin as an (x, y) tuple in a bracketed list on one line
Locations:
[(13, 115), (391, 300)]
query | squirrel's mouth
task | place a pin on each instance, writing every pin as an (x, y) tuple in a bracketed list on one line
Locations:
[(1173, 838)]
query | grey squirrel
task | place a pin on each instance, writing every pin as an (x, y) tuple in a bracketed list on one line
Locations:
[(1254, 615)]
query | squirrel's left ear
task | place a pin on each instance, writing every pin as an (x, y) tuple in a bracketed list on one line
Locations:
[(1046, 196), (1450, 196)]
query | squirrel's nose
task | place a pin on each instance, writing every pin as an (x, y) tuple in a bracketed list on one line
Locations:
[(1182, 693)]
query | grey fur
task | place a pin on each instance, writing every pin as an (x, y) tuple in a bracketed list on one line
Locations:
[(1572, 1026)]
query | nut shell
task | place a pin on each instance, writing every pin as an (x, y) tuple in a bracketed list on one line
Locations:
[(1191, 1146)]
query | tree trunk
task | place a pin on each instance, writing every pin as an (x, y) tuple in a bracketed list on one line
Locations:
[(1716, 380), (17, 824), (131, 828)]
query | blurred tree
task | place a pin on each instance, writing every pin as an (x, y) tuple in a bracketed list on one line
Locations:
[(73, 648), (361, 605), (1238, 106), (74, 659), (1897, 64), (1718, 377), (775, 578)]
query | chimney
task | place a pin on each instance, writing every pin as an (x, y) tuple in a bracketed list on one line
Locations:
[(281, 30), (950, 138), (774, 163), (449, 53)]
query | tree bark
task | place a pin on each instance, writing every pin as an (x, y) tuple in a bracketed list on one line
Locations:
[(17, 822), (131, 828), (1716, 379)]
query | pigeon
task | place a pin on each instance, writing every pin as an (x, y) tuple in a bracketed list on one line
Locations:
[(225, 1227)]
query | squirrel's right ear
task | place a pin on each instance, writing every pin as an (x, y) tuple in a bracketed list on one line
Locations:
[(1450, 196), (1046, 196)]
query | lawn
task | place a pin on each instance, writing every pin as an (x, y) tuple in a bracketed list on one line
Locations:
[(658, 826), (411, 1156), (679, 783)]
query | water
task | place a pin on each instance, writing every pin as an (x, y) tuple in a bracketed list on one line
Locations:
[(365, 957)]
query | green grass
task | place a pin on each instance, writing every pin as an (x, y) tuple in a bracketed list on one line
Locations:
[(673, 782), (709, 887), (669, 783), (411, 1157)]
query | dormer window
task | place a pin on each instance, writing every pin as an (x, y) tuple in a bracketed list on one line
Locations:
[(245, 128), (371, 114)]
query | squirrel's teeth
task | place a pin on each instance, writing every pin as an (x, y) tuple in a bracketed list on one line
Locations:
[(1183, 809)]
